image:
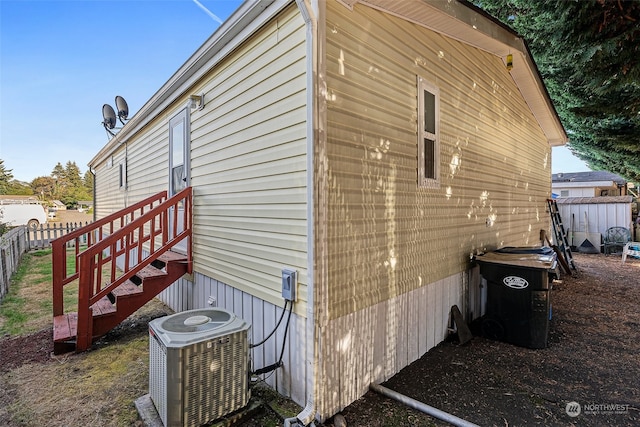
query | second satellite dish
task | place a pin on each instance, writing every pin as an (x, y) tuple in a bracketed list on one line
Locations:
[(123, 108)]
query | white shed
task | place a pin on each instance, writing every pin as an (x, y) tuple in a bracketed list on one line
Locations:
[(594, 215)]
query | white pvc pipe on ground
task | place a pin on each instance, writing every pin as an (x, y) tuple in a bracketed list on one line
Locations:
[(422, 407)]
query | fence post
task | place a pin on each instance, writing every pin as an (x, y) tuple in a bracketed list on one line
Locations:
[(13, 246)]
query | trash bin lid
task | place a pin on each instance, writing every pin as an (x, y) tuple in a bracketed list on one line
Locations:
[(521, 257), (541, 250)]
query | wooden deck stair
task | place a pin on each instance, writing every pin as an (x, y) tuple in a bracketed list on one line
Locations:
[(123, 301), (133, 251)]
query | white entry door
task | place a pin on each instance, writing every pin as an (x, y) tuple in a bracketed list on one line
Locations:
[(179, 171)]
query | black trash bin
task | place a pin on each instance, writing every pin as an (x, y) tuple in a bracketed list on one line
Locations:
[(518, 294)]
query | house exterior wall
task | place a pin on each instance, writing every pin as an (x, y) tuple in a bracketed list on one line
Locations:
[(109, 196), (248, 164), (575, 192), (248, 171), (387, 235), (397, 250)]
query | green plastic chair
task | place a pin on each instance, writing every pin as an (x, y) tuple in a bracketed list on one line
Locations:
[(616, 237)]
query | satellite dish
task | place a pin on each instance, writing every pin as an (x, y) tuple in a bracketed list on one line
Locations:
[(123, 108), (109, 116)]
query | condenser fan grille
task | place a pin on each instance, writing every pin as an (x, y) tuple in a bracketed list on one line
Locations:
[(199, 366), (196, 321), (214, 381)]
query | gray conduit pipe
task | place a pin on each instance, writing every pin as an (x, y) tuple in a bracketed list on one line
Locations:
[(422, 407), (288, 422)]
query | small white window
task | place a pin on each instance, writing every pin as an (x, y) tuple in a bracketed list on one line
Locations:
[(122, 176), (564, 193), (428, 134)]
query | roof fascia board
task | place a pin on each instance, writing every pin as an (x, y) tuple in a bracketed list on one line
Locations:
[(247, 19), (489, 35), (583, 184)]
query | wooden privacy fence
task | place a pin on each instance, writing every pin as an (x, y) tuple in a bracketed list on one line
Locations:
[(40, 237), (13, 244)]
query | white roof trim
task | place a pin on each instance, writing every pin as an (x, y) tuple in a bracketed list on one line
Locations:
[(451, 18), (458, 20), (245, 21)]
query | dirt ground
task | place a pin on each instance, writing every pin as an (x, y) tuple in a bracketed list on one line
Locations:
[(593, 359)]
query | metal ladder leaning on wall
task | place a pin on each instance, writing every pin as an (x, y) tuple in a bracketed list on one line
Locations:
[(559, 232)]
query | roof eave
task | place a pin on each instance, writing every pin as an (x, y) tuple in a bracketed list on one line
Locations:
[(463, 21), (250, 16)]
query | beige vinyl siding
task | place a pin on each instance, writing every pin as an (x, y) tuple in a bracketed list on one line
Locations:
[(149, 159), (248, 164), (387, 236), (109, 197), (146, 157)]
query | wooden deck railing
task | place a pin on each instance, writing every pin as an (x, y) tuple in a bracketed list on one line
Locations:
[(154, 224)]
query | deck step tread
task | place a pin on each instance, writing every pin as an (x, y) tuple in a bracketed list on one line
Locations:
[(65, 327), (149, 272), (103, 307), (172, 256), (127, 288)]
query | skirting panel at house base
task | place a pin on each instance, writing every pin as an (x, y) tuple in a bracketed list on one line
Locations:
[(367, 346), (374, 344)]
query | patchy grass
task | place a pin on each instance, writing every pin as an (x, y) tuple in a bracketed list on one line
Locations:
[(27, 306), (96, 388)]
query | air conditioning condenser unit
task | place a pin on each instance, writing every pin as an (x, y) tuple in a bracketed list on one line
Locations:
[(198, 366)]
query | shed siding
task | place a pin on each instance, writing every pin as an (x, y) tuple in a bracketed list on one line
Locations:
[(387, 236), (248, 164), (593, 218)]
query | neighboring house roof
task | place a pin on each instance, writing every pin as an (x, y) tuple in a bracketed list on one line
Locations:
[(594, 200), (459, 20), (591, 176), (16, 197)]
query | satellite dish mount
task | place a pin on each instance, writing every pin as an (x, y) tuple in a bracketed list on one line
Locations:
[(109, 115)]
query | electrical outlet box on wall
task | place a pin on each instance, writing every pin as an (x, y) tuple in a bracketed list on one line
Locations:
[(289, 284)]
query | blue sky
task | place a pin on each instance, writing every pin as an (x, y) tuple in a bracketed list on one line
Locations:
[(60, 61)]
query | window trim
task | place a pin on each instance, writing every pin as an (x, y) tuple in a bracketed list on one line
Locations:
[(424, 181), (122, 175), (182, 117)]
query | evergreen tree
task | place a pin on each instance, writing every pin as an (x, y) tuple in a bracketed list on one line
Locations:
[(588, 53), (5, 178), (59, 177)]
